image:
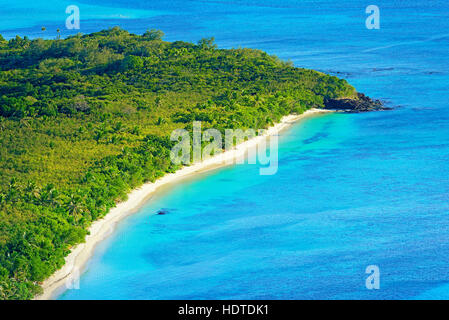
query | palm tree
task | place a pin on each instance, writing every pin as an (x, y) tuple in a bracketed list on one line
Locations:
[(13, 191), (24, 122), (32, 191), (12, 184), (49, 196), (74, 207)]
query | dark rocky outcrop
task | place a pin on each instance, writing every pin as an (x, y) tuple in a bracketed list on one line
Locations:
[(361, 103), (162, 212)]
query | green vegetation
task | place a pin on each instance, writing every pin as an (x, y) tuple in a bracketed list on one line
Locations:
[(86, 119)]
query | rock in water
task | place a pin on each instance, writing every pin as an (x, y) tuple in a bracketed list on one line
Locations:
[(361, 103), (162, 212)]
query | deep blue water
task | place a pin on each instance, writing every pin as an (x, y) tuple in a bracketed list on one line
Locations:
[(351, 190)]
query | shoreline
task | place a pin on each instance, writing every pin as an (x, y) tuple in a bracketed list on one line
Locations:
[(101, 229)]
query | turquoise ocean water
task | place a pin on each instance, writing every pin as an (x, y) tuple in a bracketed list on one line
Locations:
[(352, 190)]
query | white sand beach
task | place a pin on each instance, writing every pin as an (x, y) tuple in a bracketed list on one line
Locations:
[(101, 229)]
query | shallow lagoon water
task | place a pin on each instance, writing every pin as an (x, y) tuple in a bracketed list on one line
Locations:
[(352, 190), (335, 207)]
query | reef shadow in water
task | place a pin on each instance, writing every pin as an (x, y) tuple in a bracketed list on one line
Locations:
[(164, 211)]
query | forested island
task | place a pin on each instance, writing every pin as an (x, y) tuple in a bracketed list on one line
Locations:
[(85, 120)]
